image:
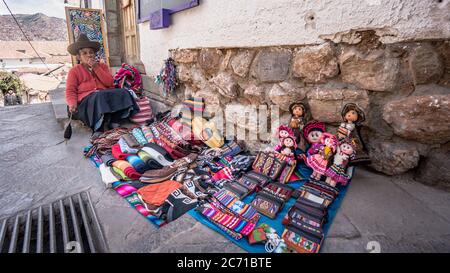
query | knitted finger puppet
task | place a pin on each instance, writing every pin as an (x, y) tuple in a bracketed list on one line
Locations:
[(282, 132), (298, 120), (337, 173), (320, 154)]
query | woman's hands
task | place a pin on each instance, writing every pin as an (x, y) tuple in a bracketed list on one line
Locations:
[(72, 108), (92, 63)]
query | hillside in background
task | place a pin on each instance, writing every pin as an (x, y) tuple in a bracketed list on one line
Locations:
[(38, 27)]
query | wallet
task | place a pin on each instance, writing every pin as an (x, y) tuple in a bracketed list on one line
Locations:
[(262, 179), (239, 190), (279, 190), (249, 182), (300, 241), (267, 204)]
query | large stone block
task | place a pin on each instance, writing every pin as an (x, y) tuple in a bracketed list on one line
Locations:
[(434, 171), (241, 62), (393, 158), (185, 55), (425, 64), (315, 63), (226, 85), (255, 94), (272, 65), (326, 103), (422, 118), (374, 71), (210, 60), (285, 93)]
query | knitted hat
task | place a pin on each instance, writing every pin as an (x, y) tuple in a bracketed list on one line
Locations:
[(285, 128), (313, 125), (353, 106), (297, 104)]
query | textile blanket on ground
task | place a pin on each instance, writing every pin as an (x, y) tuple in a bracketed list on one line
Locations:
[(128, 192), (276, 222)]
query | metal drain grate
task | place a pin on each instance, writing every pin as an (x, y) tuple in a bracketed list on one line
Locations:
[(67, 225)]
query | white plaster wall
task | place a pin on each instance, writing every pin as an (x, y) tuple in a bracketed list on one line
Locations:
[(250, 23)]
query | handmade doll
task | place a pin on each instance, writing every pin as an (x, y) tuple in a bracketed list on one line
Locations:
[(337, 173), (288, 146), (282, 132), (298, 120), (312, 131), (320, 154), (353, 116)]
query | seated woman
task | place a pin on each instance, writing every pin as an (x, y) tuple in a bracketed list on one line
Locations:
[(90, 91)]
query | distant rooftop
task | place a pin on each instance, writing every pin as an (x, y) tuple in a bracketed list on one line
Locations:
[(52, 51)]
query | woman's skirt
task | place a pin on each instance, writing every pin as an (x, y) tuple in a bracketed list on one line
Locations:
[(119, 101)]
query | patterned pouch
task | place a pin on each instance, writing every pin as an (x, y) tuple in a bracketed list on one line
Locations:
[(249, 182), (257, 236), (301, 241), (262, 179), (279, 190), (269, 164), (300, 216), (236, 188), (267, 204)]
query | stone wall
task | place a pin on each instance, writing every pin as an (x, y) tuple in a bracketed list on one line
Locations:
[(403, 87)]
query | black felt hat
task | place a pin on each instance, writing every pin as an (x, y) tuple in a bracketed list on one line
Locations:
[(83, 42)]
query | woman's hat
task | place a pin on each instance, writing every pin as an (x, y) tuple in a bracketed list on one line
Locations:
[(83, 42), (353, 106)]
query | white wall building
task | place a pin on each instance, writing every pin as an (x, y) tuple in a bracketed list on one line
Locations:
[(253, 23)]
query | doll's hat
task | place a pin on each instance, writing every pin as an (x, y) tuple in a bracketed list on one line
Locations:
[(83, 42), (353, 106), (313, 125)]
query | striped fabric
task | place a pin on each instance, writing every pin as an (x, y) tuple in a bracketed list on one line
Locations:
[(145, 111), (236, 206), (148, 134), (230, 222), (139, 135)]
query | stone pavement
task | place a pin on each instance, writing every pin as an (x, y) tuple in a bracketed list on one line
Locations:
[(398, 213)]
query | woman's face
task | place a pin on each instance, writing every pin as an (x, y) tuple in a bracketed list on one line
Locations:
[(314, 136), (351, 115), (85, 54)]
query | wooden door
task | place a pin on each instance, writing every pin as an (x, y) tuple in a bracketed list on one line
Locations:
[(130, 37)]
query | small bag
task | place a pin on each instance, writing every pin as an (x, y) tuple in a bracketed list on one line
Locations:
[(279, 190), (301, 241), (145, 111), (288, 170), (267, 204), (249, 182), (258, 235), (314, 195), (230, 148), (269, 164), (262, 179), (239, 190)]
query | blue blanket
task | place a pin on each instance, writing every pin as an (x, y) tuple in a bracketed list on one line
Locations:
[(276, 222)]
